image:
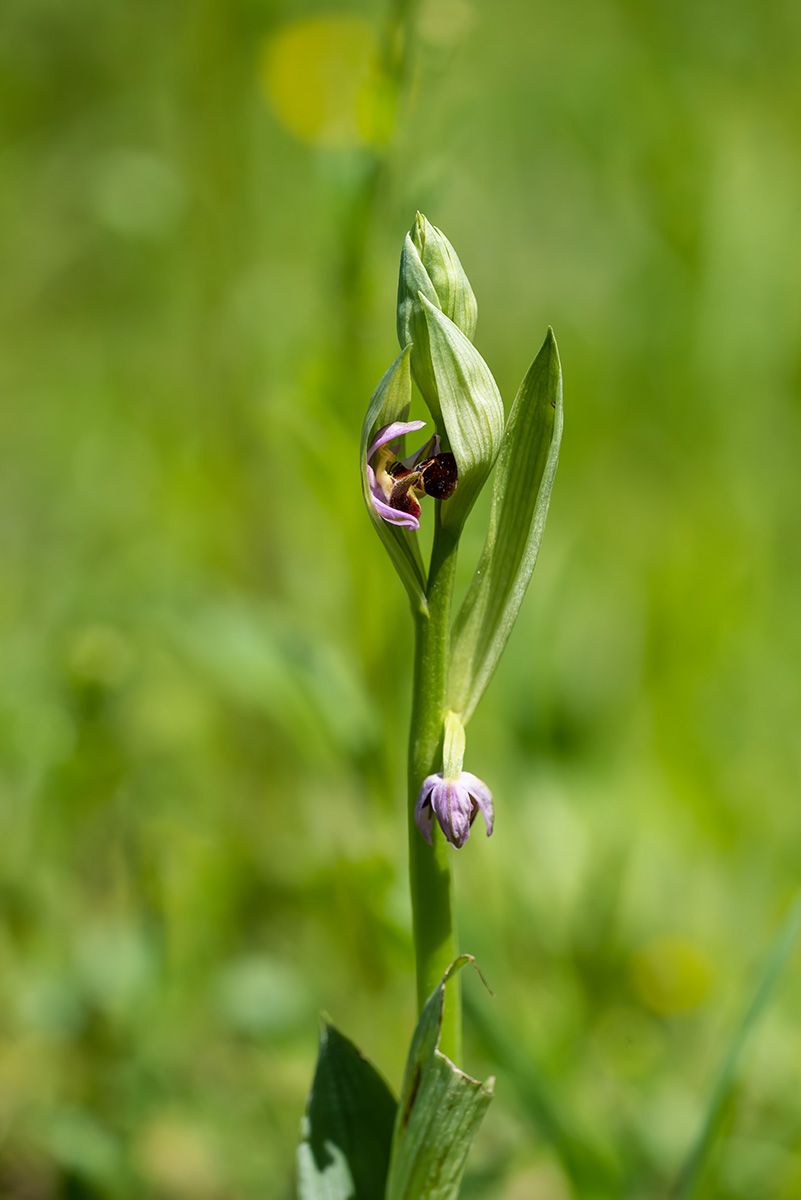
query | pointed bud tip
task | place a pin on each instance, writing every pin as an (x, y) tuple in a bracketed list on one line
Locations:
[(419, 229)]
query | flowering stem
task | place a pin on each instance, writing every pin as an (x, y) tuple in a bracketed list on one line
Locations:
[(429, 866)]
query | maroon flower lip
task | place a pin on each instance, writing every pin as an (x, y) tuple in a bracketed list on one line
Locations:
[(440, 476), (395, 484)]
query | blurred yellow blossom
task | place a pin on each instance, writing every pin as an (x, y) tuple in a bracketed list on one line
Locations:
[(321, 80), (671, 975)]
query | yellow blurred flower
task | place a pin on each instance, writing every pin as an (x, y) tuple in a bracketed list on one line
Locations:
[(320, 77), (176, 1157), (671, 975)]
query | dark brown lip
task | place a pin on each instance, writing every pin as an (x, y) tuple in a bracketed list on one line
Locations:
[(440, 476)]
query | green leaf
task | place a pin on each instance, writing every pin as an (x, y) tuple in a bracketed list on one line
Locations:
[(439, 1112), (472, 409), (521, 494), (347, 1129), (390, 402)]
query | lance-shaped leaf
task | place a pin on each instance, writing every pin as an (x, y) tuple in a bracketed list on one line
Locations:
[(472, 409), (522, 486), (347, 1130), (389, 403), (438, 1115)]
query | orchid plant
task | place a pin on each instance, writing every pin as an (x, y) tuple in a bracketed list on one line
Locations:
[(358, 1142)]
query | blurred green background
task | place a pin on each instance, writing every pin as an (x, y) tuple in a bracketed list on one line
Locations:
[(205, 654)]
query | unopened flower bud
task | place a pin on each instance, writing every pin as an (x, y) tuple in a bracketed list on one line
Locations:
[(430, 267), (428, 255)]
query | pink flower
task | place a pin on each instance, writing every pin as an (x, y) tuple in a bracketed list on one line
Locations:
[(455, 803), (395, 484)]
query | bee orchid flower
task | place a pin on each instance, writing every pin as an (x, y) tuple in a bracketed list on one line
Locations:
[(396, 484)]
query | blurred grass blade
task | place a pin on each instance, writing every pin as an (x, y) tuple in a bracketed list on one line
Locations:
[(439, 1112), (390, 402), (521, 494), (590, 1169), (782, 948), (347, 1129)]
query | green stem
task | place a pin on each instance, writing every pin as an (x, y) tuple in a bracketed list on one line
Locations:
[(429, 866)]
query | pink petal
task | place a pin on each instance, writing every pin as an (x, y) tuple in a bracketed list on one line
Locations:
[(393, 516), (482, 796), (391, 433), (423, 813)]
